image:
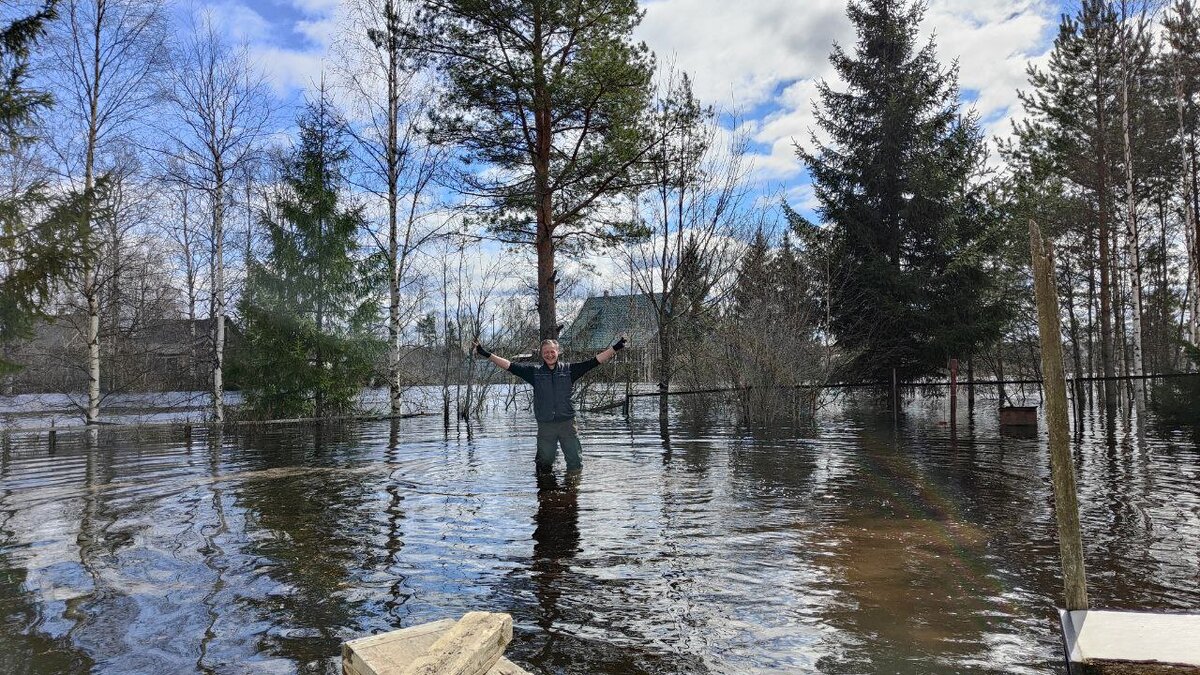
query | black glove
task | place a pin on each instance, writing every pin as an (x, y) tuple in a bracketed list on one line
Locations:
[(620, 344), (481, 351)]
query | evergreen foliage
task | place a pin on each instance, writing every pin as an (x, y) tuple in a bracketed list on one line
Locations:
[(39, 236), (309, 305), (1175, 401), (899, 184), (550, 94)]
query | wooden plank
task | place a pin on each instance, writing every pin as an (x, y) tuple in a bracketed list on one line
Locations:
[(390, 653), (1153, 638), (471, 647)]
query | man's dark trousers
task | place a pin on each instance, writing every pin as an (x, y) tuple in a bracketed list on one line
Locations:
[(551, 434)]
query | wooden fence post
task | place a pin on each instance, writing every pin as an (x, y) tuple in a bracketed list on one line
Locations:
[(1066, 505), (953, 392)]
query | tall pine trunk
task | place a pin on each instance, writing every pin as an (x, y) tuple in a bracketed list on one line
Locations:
[(1107, 351), (1191, 218), (1131, 235)]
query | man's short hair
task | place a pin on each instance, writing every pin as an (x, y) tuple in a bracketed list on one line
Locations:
[(552, 343)]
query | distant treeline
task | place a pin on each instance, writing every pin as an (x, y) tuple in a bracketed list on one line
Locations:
[(165, 226)]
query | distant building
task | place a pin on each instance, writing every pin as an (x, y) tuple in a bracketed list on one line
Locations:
[(165, 355), (601, 321)]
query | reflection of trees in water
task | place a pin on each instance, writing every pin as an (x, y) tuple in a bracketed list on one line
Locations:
[(388, 558), (24, 648), (555, 543), (305, 533)]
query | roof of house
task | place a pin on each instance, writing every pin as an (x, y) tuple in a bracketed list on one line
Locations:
[(603, 318)]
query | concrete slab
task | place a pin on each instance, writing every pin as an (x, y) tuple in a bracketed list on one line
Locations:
[(1094, 636)]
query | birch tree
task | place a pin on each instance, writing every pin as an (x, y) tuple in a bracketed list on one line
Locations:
[(220, 113), (390, 98), (692, 213), (103, 54)]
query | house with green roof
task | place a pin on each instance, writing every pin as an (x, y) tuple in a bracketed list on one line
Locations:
[(603, 318)]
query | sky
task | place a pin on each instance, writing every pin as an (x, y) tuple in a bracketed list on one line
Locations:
[(760, 60)]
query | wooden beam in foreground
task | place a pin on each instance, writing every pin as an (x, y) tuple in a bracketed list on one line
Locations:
[(472, 646), (1131, 643), (1062, 467)]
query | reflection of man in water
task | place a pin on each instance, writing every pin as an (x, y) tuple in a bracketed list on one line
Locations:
[(555, 542), (552, 382)]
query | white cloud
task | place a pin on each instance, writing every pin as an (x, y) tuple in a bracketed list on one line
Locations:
[(768, 56), (740, 53), (993, 43), (240, 22), (289, 70), (319, 32)]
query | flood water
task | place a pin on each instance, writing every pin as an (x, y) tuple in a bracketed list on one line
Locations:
[(848, 546)]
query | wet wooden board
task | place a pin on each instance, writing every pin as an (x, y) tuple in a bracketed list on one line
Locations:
[(1111, 641), (392, 653)]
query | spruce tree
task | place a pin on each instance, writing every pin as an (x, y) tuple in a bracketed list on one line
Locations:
[(899, 186), (39, 236), (309, 304)]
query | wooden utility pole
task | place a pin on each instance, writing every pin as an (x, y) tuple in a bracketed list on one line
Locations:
[(1066, 504)]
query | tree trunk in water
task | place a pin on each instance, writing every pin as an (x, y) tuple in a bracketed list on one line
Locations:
[(218, 301), (91, 281), (393, 178), (190, 274), (1001, 396), (93, 345), (665, 356), (1080, 390), (1190, 215), (1107, 352), (1120, 336), (971, 389), (1132, 249)]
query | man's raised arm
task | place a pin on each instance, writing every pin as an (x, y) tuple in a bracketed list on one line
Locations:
[(500, 361), (607, 354)]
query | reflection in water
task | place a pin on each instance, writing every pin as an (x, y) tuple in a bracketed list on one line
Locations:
[(694, 547), (555, 542)]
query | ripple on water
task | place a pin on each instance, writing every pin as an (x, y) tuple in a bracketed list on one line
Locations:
[(846, 546)]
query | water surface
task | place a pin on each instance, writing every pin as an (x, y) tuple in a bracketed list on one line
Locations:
[(849, 546)]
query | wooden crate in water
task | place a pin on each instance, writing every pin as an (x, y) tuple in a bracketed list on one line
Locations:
[(1018, 416)]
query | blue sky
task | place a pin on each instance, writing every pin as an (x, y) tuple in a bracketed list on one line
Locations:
[(761, 58)]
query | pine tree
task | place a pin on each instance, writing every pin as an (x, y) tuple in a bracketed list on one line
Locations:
[(552, 94), (308, 350), (899, 186)]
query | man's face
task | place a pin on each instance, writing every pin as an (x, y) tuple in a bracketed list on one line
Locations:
[(549, 355)]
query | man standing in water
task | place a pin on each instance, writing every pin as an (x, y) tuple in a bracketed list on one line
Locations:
[(552, 382)]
